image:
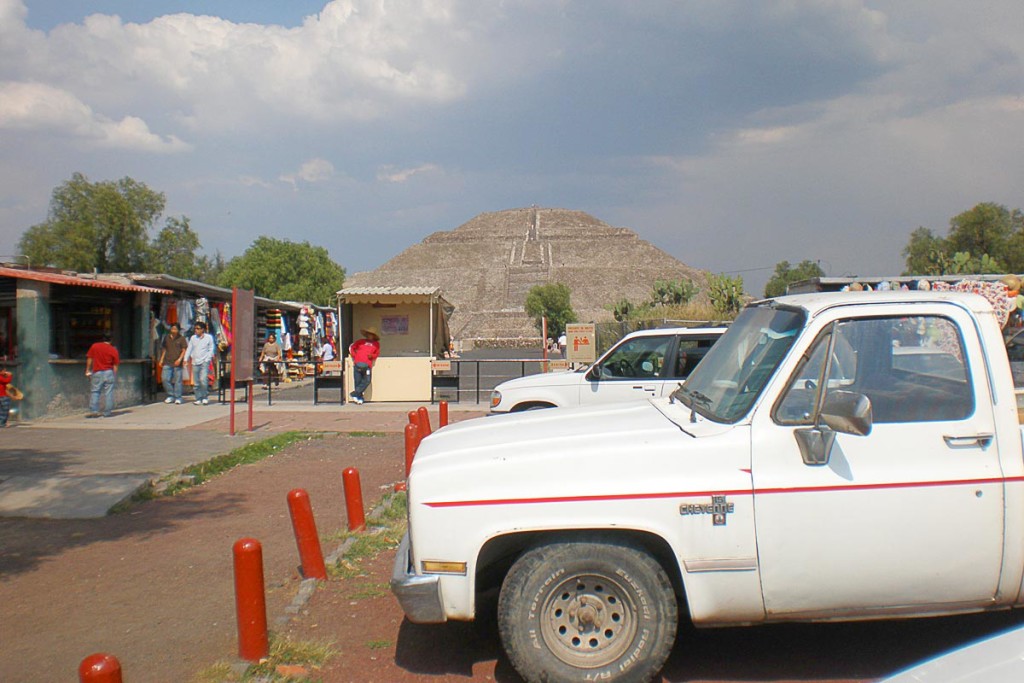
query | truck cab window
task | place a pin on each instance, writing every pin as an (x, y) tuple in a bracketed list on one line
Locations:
[(912, 370)]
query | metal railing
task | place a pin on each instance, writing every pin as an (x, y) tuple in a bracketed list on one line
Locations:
[(477, 377)]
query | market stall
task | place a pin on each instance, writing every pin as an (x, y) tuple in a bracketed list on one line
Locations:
[(413, 326)]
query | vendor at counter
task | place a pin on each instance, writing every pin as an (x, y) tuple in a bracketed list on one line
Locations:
[(364, 352)]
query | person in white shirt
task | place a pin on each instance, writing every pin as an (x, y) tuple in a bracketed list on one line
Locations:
[(327, 351), (198, 356)]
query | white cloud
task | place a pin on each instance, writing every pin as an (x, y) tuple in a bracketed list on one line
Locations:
[(353, 61), (311, 171), (43, 108), (390, 174)]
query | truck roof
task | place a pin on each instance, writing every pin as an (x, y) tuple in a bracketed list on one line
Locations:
[(817, 302)]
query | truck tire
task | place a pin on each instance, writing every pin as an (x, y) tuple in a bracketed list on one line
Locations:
[(587, 611)]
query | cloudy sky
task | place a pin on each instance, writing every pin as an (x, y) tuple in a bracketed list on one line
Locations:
[(731, 133)]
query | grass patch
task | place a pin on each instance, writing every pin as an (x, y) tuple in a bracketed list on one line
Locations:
[(221, 672), (204, 471), (386, 526), (310, 655), (379, 644), (370, 591), (366, 433)]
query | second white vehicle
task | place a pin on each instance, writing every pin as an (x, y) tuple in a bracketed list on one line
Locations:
[(644, 364)]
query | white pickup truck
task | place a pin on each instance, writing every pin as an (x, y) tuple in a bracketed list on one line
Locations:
[(833, 456)]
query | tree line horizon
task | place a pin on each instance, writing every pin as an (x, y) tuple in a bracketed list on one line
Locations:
[(115, 226)]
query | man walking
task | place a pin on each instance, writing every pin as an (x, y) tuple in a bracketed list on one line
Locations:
[(198, 355), (364, 352), (172, 357), (101, 363)]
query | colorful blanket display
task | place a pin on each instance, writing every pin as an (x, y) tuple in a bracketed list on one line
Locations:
[(1004, 294)]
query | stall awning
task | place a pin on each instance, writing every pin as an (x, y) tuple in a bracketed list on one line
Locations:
[(391, 295), (196, 288), (76, 281)]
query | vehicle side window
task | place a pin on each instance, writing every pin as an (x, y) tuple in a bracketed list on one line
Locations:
[(636, 358), (911, 369), (689, 353)]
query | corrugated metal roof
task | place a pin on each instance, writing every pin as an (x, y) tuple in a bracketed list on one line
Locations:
[(391, 295), (392, 291), (75, 281), (203, 289)]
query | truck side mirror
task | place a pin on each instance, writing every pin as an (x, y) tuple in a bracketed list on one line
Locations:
[(845, 412), (594, 373)]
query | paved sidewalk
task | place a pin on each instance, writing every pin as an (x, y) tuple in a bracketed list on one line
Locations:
[(78, 467)]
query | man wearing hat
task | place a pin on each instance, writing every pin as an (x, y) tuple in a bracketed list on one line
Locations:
[(364, 351)]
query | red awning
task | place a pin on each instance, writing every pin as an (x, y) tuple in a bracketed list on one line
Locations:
[(74, 281)]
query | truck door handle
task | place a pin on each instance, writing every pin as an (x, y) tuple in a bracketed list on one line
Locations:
[(983, 440)]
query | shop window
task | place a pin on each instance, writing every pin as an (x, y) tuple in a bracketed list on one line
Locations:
[(75, 329), (79, 319), (8, 335)]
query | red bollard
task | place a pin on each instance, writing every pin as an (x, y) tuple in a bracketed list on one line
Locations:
[(353, 499), (250, 600), (414, 417), (306, 538), (411, 442), (424, 422), (442, 414), (99, 668)]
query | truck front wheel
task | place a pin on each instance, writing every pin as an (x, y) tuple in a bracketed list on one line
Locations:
[(587, 611)]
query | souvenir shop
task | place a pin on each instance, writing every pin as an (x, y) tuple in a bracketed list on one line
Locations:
[(412, 323), (301, 330), (48, 321), (303, 336)]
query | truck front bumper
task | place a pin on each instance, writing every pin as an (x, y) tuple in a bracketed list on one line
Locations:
[(419, 596)]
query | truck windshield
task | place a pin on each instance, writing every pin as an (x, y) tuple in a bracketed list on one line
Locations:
[(735, 370)]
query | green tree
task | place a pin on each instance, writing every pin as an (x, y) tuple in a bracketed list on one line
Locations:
[(925, 254), (785, 275), (672, 292), (103, 226), (210, 268), (725, 293), (289, 271), (986, 238), (984, 229), (551, 301), (174, 250)]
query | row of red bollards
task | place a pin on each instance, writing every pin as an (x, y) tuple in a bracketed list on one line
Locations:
[(250, 595)]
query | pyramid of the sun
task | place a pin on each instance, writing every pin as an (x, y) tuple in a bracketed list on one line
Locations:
[(487, 266)]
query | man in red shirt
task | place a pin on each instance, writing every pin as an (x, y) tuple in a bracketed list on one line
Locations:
[(364, 351), (101, 368), (5, 401)]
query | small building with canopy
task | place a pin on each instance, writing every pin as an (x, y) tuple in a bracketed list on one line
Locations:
[(413, 326)]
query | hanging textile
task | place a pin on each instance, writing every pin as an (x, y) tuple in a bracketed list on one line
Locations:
[(203, 309)]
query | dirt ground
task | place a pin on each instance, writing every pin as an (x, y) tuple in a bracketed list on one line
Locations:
[(153, 586)]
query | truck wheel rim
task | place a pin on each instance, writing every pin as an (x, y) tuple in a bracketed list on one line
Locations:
[(588, 620)]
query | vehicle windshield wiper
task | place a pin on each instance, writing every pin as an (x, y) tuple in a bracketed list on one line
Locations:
[(692, 398)]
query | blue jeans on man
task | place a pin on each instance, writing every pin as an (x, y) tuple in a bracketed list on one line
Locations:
[(201, 381), (361, 379), (171, 376), (102, 384)]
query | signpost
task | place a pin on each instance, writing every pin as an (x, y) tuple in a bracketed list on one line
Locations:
[(243, 325), (581, 343)]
